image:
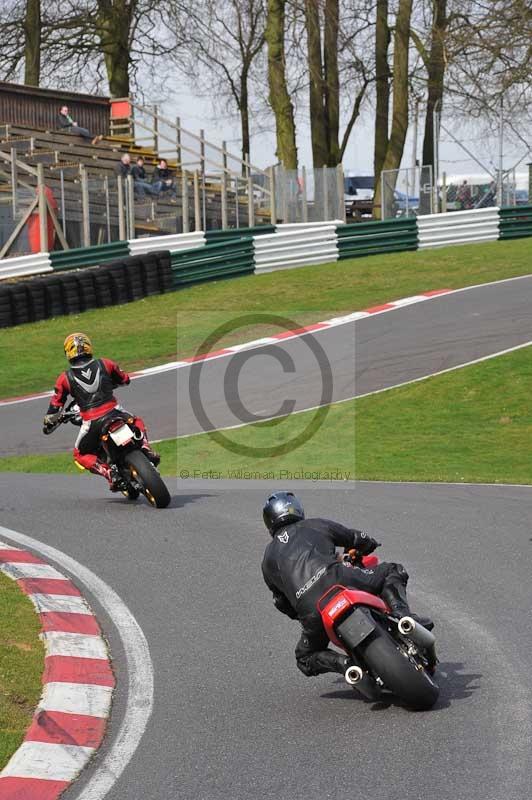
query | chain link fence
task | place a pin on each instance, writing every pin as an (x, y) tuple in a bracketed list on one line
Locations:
[(407, 192), (411, 192), (309, 195), (461, 193)]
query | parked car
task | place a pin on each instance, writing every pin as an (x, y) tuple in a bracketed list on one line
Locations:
[(358, 195), (359, 192)]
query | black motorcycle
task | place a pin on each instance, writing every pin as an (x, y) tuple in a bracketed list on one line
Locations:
[(120, 447)]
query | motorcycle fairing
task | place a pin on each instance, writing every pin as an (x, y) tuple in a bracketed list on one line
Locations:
[(338, 600)]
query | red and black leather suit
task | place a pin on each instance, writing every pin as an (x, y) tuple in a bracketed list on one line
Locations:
[(91, 384)]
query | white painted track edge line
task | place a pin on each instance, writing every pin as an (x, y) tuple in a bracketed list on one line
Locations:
[(139, 667), (346, 319)]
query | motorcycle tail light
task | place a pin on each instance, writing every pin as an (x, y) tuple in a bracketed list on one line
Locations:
[(114, 426)]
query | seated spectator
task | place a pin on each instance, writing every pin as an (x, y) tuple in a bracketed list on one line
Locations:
[(123, 168), (162, 179), (68, 125), (140, 181)]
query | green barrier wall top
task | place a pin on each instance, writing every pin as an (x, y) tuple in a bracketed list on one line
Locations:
[(88, 256), (238, 233)]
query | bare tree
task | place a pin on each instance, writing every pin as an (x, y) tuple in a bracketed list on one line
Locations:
[(280, 101), (396, 141), (32, 43), (324, 82), (223, 42), (490, 55), (382, 86), (434, 60), (86, 43)]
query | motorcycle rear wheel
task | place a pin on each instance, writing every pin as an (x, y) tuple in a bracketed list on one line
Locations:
[(400, 674), (145, 473)]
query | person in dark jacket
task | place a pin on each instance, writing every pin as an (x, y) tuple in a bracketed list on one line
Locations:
[(68, 125), (163, 180), (123, 168), (141, 182), (301, 563), (91, 382)]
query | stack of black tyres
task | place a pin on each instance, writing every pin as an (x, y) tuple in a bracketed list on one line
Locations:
[(97, 287)]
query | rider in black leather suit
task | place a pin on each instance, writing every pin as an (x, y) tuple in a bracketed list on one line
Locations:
[(301, 563)]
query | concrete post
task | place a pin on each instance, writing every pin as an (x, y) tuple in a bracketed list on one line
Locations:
[(197, 207), (120, 208), (224, 200), (178, 139), (131, 206), (251, 204), (273, 204), (304, 207), (184, 201), (341, 192), (43, 217), (85, 206), (14, 182)]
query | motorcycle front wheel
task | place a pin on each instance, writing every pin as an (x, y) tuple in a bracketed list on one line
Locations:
[(144, 472), (399, 672)]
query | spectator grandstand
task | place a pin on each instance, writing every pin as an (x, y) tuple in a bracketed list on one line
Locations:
[(75, 184)]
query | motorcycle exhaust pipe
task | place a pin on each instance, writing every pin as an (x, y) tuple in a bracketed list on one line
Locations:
[(361, 681), (419, 635)]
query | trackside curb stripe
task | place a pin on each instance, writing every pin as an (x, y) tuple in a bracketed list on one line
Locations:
[(78, 681)]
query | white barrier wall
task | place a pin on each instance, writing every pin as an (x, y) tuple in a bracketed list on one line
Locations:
[(285, 227), (296, 246), (34, 264), (172, 242), (458, 227)]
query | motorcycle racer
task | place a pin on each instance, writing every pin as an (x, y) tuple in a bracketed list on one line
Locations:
[(91, 383), (300, 564)]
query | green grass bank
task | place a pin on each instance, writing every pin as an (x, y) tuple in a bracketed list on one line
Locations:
[(21, 666), (159, 329)]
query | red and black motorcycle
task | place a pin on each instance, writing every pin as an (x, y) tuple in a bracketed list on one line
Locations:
[(388, 653), (120, 446)]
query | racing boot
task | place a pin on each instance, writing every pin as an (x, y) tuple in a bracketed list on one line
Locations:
[(110, 473), (394, 594), (322, 661)]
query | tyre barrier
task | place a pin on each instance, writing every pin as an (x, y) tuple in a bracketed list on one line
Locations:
[(116, 283)]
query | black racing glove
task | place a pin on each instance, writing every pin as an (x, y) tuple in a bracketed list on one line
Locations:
[(49, 422), (365, 544)]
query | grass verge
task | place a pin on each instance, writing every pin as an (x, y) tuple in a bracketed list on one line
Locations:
[(153, 330), (470, 425), (21, 666)]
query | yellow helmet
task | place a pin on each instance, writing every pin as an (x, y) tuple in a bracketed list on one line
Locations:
[(76, 345)]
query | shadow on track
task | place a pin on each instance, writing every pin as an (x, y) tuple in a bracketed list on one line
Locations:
[(454, 683), (177, 501)]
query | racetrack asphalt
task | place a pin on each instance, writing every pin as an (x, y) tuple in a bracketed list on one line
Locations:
[(368, 355), (233, 717)]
